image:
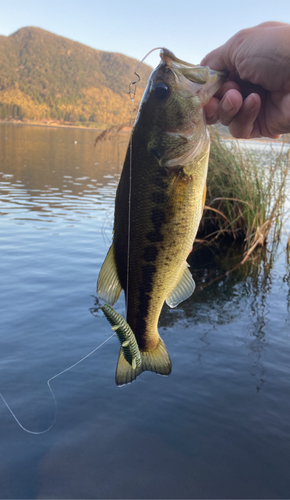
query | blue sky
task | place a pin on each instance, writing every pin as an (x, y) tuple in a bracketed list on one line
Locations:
[(189, 28)]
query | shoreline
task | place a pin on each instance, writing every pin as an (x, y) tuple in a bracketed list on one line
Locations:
[(127, 130), (61, 125)]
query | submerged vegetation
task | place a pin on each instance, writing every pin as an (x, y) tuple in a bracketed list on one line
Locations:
[(246, 194)]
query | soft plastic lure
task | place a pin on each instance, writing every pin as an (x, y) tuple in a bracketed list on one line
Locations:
[(125, 335)]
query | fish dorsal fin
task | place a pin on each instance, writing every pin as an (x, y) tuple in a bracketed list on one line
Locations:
[(155, 360), (184, 288), (109, 287)]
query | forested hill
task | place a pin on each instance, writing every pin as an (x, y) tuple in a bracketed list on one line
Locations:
[(45, 77)]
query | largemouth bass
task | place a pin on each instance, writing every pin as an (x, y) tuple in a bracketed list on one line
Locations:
[(159, 204)]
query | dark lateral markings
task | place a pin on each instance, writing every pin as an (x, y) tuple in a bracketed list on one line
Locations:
[(158, 219), (154, 236), (148, 271), (150, 253), (143, 308), (158, 197), (159, 182)]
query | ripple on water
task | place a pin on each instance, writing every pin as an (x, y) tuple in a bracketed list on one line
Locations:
[(220, 423)]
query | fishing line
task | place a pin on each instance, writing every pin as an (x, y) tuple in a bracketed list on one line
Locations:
[(51, 391), (132, 92), (129, 225), (132, 85)]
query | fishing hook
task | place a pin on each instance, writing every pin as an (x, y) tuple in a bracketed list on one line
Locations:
[(132, 85)]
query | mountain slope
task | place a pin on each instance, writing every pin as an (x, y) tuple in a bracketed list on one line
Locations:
[(46, 76)]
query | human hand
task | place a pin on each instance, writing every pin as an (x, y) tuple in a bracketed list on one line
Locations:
[(255, 101)]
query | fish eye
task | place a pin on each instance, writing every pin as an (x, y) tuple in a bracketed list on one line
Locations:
[(161, 91)]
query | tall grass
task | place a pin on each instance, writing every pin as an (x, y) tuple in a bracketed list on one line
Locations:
[(246, 194)]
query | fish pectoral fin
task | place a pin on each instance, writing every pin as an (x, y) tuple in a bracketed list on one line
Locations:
[(155, 360), (108, 286), (184, 288)]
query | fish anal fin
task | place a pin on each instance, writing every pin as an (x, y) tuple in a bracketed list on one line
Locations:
[(184, 289), (108, 286), (155, 360)]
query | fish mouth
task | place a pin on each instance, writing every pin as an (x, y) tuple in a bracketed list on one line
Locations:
[(184, 67), (206, 81)]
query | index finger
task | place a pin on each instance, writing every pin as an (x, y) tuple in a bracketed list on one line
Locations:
[(218, 59), (228, 85)]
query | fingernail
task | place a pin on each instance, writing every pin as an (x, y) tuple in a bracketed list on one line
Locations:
[(227, 104)]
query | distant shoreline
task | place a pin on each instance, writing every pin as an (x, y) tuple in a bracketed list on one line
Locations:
[(127, 130)]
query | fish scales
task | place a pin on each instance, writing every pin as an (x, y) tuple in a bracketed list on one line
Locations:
[(159, 203), (162, 233)]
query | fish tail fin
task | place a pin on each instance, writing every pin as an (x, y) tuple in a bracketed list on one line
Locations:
[(155, 360)]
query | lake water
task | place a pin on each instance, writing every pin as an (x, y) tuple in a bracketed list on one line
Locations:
[(217, 427)]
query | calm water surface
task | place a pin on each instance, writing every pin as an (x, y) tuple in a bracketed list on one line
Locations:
[(217, 427)]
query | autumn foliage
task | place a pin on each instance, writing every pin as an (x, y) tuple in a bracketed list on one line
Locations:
[(45, 77)]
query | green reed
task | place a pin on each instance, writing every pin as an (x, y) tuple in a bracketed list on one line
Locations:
[(246, 194)]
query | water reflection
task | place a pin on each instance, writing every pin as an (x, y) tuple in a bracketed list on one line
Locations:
[(228, 296), (227, 342), (286, 279), (56, 175), (57, 171), (220, 281)]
